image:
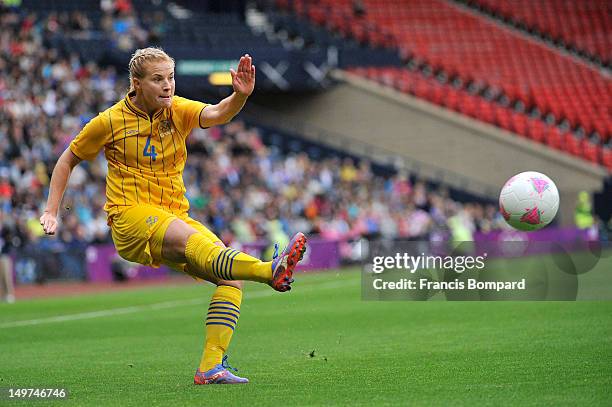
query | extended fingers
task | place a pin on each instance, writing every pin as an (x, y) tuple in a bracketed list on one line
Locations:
[(245, 63), (249, 63), (241, 63)]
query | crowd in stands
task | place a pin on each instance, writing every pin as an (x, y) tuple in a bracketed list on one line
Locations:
[(126, 30), (115, 21), (235, 183), (243, 186), (45, 99)]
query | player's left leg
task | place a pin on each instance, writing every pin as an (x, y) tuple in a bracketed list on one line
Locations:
[(222, 316), (221, 320)]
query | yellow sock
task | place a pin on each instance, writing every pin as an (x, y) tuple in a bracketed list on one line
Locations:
[(223, 313), (224, 262)]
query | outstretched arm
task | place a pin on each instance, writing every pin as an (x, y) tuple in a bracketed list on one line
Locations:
[(243, 81), (59, 179)]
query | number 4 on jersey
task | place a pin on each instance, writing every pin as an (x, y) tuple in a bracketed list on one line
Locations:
[(149, 152)]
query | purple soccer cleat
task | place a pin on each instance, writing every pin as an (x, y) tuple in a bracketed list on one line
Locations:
[(219, 375), (284, 264)]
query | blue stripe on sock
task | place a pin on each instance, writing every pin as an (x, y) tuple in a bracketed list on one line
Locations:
[(221, 268), (215, 265), (213, 318), (226, 305), (222, 258), (214, 312), (230, 253), (221, 264), (223, 318), (231, 264), (223, 302), (220, 323), (226, 264), (227, 308), (224, 313)]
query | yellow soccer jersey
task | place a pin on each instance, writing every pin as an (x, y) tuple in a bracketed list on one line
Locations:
[(146, 155)]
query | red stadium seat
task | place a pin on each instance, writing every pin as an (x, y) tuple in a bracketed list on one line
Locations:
[(519, 123), (572, 145), (502, 117), (591, 151), (554, 138), (537, 130), (481, 51), (576, 22)]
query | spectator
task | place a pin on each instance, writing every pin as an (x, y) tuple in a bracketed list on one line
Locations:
[(583, 215), (6, 266)]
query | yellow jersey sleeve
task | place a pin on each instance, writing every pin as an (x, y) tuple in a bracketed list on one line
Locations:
[(88, 143), (189, 112)]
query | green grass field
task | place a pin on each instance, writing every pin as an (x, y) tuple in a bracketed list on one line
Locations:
[(143, 346)]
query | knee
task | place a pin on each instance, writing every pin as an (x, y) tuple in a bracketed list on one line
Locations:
[(232, 283), (175, 241)]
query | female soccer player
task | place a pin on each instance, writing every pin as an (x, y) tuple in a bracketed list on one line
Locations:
[(143, 137)]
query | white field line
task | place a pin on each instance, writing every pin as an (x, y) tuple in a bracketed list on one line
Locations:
[(155, 306)]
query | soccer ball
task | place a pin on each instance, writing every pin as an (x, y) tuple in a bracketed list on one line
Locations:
[(529, 201)]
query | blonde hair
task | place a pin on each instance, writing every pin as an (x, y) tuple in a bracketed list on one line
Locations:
[(143, 56)]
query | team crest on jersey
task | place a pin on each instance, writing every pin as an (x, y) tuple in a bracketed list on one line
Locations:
[(151, 220), (165, 128)]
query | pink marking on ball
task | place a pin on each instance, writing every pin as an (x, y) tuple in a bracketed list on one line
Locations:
[(503, 211), (532, 216), (540, 185)]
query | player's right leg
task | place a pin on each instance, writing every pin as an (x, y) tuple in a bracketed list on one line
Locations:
[(150, 235), (182, 243), (284, 263)]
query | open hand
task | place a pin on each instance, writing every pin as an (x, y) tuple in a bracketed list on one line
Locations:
[(243, 78)]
